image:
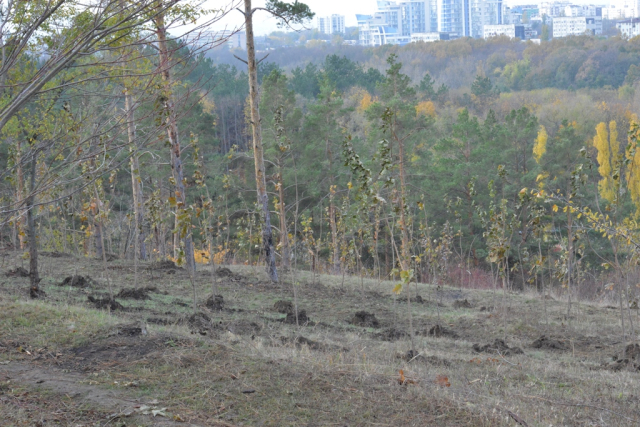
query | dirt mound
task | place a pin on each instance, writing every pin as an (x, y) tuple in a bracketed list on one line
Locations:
[(439, 331), (107, 302), (164, 265), (55, 254), (462, 304), (131, 331), (77, 281), (35, 292), (228, 274), (199, 322), (366, 319), (498, 346), (547, 343), (223, 272), (392, 334), (159, 321), (630, 359), (139, 294), (418, 299), (284, 307), (215, 302), (17, 272), (303, 319)]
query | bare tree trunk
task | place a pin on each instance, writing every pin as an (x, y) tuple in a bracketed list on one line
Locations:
[(172, 130), (135, 178), (22, 215), (284, 233), (334, 232), (34, 277), (258, 152)]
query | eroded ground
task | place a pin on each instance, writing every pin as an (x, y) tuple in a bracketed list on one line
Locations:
[(245, 358)]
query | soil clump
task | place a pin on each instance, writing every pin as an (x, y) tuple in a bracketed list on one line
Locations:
[(139, 294), (77, 281), (228, 274), (55, 254), (164, 265), (215, 302), (462, 304), (107, 302), (199, 322), (303, 319), (498, 346), (392, 334), (630, 359), (17, 272), (439, 331), (284, 307), (548, 343), (131, 330), (365, 319)]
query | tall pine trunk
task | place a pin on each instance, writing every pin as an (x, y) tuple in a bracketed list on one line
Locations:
[(172, 130), (258, 151)]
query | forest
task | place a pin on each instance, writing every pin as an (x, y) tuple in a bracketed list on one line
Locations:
[(498, 171)]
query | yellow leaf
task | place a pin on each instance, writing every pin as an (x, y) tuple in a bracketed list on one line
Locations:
[(555, 208), (397, 289)]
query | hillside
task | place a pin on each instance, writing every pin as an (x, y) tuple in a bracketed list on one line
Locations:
[(241, 360)]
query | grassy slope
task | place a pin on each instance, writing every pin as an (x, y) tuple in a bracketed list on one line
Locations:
[(349, 377)]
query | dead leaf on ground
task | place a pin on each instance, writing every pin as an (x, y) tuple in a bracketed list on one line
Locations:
[(442, 381), (404, 380)]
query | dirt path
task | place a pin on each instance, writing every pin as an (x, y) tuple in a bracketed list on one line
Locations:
[(73, 386)]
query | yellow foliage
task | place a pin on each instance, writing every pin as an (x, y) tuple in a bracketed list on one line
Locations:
[(365, 102), (202, 256), (208, 106), (608, 147), (540, 146), (426, 108), (633, 172)]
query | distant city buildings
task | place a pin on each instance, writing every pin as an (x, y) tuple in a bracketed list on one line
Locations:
[(333, 24), (564, 26), (208, 39), (399, 22), (629, 28), (621, 9), (523, 32)]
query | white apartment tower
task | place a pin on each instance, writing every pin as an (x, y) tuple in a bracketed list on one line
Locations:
[(621, 9), (564, 26), (467, 18), (333, 24)]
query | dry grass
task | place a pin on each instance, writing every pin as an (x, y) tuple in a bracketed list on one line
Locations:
[(346, 374)]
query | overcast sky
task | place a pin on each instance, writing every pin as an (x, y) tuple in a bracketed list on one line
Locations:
[(349, 8)]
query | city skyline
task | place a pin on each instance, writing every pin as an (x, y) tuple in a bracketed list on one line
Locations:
[(264, 25)]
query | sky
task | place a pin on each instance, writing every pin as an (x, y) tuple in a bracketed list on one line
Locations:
[(264, 25)]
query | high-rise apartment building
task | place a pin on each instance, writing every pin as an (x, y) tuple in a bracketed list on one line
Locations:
[(394, 22), (621, 9), (564, 26), (333, 24)]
